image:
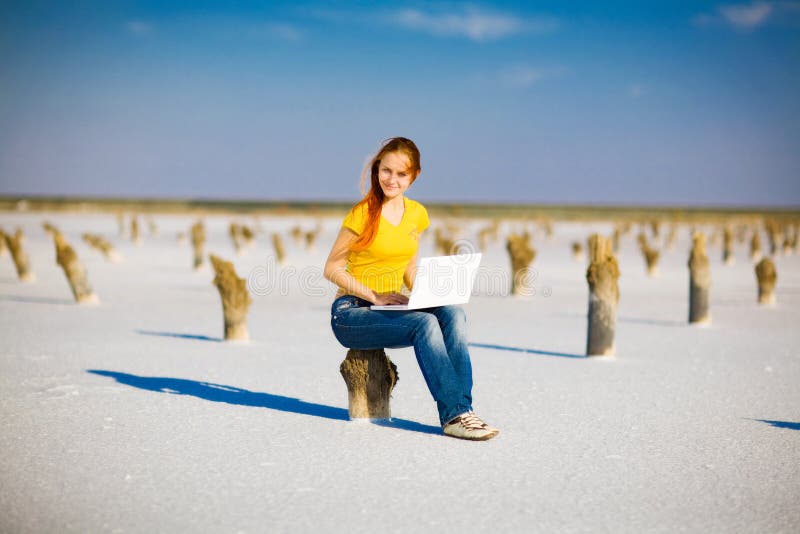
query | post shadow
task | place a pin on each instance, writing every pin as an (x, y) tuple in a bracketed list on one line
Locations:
[(38, 300), (780, 424), (242, 397), (198, 337), (528, 351)]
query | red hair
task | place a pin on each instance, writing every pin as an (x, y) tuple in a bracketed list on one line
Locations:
[(373, 199)]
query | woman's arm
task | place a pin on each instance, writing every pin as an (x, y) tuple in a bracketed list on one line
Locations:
[(410, 273), (336, 272)]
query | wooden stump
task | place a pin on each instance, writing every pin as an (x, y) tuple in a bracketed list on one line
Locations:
[(98, 242), (74, 271), (20, 257), (370, 377), (577, 251), (651, 255), (198, 243), (236, 299), (727, 246), (522, 255), (767, 276), (135, 237), (699, 282), (755, 246), (602, 276), (280, 252)]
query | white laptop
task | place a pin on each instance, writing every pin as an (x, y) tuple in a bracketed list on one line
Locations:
[(441, 280)]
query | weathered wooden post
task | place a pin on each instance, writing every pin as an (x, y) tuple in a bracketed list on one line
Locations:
[(774, 236), (672, 236), (20, 257), (297, 233), (311, 237), (522, 255), (755, 246), (103, 245), (121, 223), (198, 244), (767, 276), (74, 271), (236, 299), (602, 275), (135, 237), (789, 239), (699, 282), (650, 255), (277, 244), (370, 377), (577, 251), (727, 246), (248, 235), (235, 231)]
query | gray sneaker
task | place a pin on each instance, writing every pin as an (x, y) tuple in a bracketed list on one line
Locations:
[(469, 426)]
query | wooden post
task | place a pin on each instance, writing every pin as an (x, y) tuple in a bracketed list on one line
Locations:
[(699, 282), (755, 245), (20, 257), (602, 276), (522, 255), (103, 245), (198, 243), (370, 377), (236, 299), (727, 246), (235, 231), (135, 237), (74, 271), (3, 246), (672, 236), (650, 255), (577, 251), (280, 252), (767, 276)]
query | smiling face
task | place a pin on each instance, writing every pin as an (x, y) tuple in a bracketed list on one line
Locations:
[(394, 174)]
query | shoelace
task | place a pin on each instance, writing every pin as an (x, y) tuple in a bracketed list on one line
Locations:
[(470, 421)]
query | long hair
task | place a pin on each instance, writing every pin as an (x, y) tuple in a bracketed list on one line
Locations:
[(373, 199)]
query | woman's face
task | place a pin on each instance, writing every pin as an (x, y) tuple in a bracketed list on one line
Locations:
[(394, 174)]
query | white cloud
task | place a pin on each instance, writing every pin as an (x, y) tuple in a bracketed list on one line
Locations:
[(748, 17), (138, 27), (468, 22), (278, 30)]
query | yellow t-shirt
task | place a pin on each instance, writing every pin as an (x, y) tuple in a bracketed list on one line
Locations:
[(381, 265)]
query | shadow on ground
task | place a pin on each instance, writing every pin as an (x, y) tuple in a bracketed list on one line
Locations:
[(528, 351), (780, 424), (37, 300), (243, 397), (197, 337)]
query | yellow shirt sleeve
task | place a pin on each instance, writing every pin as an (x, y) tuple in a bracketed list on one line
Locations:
[(422, 220), (356, 219)]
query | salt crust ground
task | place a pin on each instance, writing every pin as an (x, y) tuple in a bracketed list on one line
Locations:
[(131, 416)]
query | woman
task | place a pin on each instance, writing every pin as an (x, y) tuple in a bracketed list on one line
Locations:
[(374, 254)]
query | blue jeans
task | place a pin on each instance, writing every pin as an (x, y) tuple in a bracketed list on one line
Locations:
[(439, 338)]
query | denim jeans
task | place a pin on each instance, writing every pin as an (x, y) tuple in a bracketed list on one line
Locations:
[(439, 338)]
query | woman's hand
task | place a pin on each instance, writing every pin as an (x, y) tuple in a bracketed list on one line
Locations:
[(388, 299)]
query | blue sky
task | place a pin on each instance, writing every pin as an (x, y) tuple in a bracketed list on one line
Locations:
[(679, 103)]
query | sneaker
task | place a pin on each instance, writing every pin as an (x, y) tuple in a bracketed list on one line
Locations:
[(486, 426), (469, 426)]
